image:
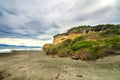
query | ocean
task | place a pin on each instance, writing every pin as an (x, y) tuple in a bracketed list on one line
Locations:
[(10, 48)]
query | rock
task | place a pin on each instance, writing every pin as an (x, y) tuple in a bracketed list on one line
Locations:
[(79, 76), (46, 46), (75, 57)]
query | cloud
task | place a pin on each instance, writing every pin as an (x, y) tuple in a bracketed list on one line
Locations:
[(26, 42), (41, 19)]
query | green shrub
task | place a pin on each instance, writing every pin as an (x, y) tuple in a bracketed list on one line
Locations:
[(84, 54), (51, 50), (64, 52), (94, 52), (82, 44), (80, 38), (102, 27), (67, 42), (63, 34), (110, 32), (113, 42), (79, 29), (64, 44)]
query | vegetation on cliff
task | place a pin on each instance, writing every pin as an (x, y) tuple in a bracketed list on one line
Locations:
[(95, 42)]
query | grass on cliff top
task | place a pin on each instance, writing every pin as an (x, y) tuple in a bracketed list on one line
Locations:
[(111, 28)]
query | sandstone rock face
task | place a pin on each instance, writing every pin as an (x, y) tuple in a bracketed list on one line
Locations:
[(46, 46), (62, 38)]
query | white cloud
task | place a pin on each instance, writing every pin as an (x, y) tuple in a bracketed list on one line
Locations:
[(26, 42), (44, 18)]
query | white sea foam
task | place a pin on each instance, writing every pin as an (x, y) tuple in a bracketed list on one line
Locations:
[(22, 49), (5, 50)]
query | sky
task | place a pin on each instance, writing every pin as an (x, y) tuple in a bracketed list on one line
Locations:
[(35, 22)]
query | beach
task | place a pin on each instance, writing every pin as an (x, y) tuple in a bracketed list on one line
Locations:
[(35, 65)]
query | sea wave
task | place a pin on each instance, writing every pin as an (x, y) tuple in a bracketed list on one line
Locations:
[(5, 50), (22, 49)]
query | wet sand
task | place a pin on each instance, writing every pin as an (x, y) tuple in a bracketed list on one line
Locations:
[(34, 65)]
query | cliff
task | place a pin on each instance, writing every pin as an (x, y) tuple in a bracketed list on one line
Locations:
[(59, 39), (71, 34), (86, 42)]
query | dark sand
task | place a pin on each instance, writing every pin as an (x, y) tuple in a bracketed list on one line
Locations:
[(34, 65)]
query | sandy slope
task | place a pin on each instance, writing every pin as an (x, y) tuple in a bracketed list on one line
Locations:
[(36, 66)]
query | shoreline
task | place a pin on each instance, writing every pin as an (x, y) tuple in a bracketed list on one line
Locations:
[(22, 49)]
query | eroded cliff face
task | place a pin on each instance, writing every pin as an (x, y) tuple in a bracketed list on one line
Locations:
[(62, 38), (46, 46)]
